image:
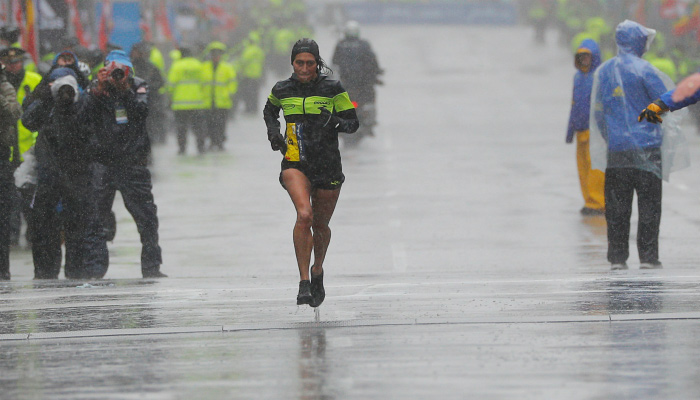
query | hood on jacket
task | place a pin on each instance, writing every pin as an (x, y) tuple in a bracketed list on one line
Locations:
[(215, 45), (60, 73), (633, 38), (591, 47), (66, 80), (65, 52)]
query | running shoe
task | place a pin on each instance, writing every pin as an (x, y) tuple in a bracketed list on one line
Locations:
[(304, 296), (317, 290), (616, 266), (651, 265)]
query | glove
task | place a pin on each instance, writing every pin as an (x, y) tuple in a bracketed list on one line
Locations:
[(277, 142), (42, 91), (327, 119), (653, 112)]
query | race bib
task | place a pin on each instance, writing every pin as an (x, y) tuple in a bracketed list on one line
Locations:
[(120, 114), (294, 137)]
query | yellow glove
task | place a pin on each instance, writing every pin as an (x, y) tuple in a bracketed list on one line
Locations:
[(653, 112)]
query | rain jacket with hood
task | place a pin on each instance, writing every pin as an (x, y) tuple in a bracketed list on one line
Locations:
[(61, 139), (622, 87), (63, 178), (583, 84), (82, 70), (29, 81), (186, 82), (219, 81)]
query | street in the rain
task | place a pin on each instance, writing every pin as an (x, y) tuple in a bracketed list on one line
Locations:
[(460, 266)]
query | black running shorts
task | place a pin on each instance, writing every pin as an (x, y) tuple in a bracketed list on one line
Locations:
[(325, 176)]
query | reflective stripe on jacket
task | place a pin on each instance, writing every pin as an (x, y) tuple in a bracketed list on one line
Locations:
[(26, 137), (186, 84), (224, 82)]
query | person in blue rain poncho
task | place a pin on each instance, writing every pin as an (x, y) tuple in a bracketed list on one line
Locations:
[(586, 60), (635, 156)]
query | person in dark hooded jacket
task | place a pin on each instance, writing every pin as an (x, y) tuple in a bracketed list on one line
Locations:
[(315, 109), (115, 114), (62, 177), (587, 59)]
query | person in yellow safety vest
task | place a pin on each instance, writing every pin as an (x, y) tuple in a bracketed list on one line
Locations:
[(282, 40), (596, 30), (9, 37), (24, 83), (156, 58), (220, 85), (185, 84), (250, 68), (174, 55)]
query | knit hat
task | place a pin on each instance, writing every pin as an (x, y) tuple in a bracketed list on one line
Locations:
[(119, 57), (306, 45), (60, 73)]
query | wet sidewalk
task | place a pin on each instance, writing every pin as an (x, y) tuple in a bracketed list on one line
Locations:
[(459, 265)]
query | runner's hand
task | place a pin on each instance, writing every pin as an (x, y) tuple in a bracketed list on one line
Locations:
[(278, 143), (327, 118)]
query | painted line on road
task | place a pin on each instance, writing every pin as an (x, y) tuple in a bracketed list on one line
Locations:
[(268, 326)]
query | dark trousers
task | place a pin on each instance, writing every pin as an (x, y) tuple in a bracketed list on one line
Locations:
[(216, 126), (60, 203), (186, 120), (7, 194), (134, 184), (248, 91), (620, 185)]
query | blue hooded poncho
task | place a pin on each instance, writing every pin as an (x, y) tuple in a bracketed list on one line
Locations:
[(623, 87), (583, 84)]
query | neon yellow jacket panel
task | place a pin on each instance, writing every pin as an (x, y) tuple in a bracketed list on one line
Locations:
[(252, 62), (26, 138), (185, 82), (224, 82)]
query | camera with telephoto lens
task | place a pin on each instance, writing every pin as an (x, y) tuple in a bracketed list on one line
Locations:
[(66, 94), (117, 74), (116, 71)]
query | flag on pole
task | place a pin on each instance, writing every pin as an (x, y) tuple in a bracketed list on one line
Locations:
[(163, 22), (106, 24), (214, 10), (77, 23), (30, 39), (3, 13), (640, 15), (145, 24), (18, 16), (687, 24)]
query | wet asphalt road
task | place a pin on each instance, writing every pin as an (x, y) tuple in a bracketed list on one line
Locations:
[(459, 265)]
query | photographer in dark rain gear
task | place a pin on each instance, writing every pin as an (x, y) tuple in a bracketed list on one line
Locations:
[(63, 176), (115, 114)]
